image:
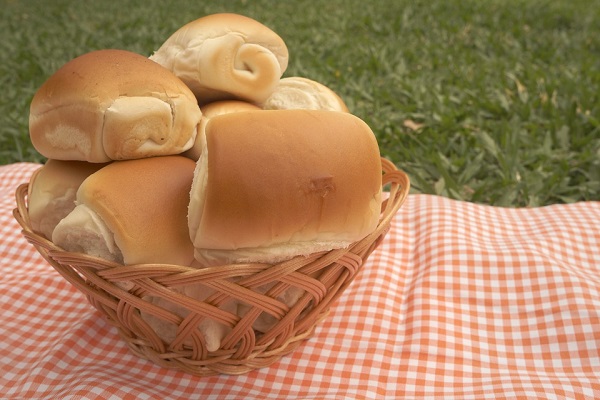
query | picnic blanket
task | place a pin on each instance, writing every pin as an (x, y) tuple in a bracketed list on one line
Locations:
[(460, 301)]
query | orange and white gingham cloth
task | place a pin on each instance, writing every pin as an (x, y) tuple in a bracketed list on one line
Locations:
[(461, 301)]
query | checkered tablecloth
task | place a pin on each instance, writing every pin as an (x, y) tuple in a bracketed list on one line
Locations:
[(461, 301)]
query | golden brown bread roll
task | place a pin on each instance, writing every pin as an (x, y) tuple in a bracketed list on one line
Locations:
[(112, 105), (271, 185), (225, 56), (132, 212), (52, 190)]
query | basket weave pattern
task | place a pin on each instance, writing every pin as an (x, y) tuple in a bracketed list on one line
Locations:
[(121, 292)]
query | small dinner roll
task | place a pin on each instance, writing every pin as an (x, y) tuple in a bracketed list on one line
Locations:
[(52, 190), (132, 212), (225, 56), (112, 105)]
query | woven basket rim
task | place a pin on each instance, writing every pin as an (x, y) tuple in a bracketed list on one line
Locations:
[(322, 278)]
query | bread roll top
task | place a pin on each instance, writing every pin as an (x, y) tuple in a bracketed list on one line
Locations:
[(297, 92), (225, 107), (112, 105), (283, 183), (144, 203)]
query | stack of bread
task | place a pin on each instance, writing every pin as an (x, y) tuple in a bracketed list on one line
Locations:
[(200, 155)]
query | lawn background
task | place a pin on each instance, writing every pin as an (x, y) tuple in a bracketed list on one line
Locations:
[(489, 101)]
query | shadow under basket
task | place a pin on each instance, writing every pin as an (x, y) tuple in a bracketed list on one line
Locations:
[(124, 294)]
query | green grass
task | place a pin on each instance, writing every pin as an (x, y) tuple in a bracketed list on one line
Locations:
[(489, 101)]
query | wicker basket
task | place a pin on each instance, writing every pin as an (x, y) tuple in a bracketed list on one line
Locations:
[(119, 292)]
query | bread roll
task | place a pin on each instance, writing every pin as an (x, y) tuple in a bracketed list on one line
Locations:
[(302, 93), (132, 212), (213, 109), (271, 185), (51, 192), (225, 56), (112, 105)]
